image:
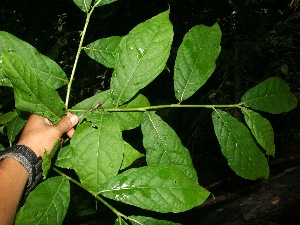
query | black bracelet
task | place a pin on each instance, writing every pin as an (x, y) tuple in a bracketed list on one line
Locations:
[(28, 159)]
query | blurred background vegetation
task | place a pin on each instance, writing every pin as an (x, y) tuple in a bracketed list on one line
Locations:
[(260, 39)]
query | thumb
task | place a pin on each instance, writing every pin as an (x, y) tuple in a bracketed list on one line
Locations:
[(67, 123)]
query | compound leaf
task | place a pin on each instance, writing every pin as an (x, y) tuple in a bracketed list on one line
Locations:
[(104, 50), (272, 95), (84, 5), (97, 150), (158, 188), (32, 94), (195, 61), (136, 220), (237, 145), (143, 55), (164, 147), (46, 68), (46, 204), (261, 129)]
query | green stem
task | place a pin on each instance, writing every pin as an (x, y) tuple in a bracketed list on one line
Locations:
[(119, 214), (69, 178), (145, 108), (142, 109), (88, 16)]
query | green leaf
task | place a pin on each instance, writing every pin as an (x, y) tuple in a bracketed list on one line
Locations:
[(195, 61), (272, 95), (131, 120), (158, 188), (47, 158), (7, 117), (46, 68), (46, 204), (64, 157), (97, 150), (143, 55), (126, 120), (237, 145), (261, 129), (103, 2), (118, 222), (104, 50), (1, 147), (84, 5), (130, 155), (149, 221), (83, 108), (163, 146), (4, 81), (14, 127), (32, 94)]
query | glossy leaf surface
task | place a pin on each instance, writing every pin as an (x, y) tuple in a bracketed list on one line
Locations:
[(46, 68), (195, 61), (84, 5), (158, 188), (136, 220), (46, 204), (143, 55), (237, 145), (163, 146), (103, 2), (4, 81), (261, 129), (272, 95), (32, 94), (120, 222), (104, 50), (97, 150)]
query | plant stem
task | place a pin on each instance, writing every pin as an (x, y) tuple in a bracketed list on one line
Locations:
[(145, 108), (142, 109), (119, 214), (88, 16)]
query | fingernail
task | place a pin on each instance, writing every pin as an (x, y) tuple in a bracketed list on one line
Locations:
[(74, 119)]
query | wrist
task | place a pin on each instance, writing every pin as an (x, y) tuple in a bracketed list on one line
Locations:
[(29, 160), (37, 151)]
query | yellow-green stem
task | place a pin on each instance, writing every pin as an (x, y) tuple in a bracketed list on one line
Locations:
[(145, 108), (91, 192), (88, 16)]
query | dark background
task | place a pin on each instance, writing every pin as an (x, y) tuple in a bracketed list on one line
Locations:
[(260, 39)]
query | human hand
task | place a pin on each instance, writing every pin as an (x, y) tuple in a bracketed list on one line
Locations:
[(40, 135)]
